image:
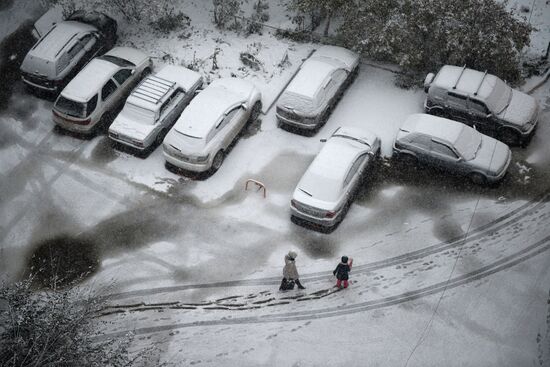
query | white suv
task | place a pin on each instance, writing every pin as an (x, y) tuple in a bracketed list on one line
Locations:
[(97, 92), (202, 135), (154, 106), (65, 48), (484, 101)]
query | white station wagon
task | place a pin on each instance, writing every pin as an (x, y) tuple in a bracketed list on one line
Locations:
[(154, 106), (453, 147), (200, 138), (309, 99), (326, 190), (98, 91)]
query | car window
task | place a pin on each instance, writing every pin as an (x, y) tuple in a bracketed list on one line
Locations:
[(122, 75), (73, 51), (353, 170), (421, 141), (169, 103), (108, 89), (228, 117), (443, 149), (478, 106), (456, 100), (91, 105)]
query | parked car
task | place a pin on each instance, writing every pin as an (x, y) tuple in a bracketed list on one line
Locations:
[(309, 99), (200, 138), (96, 94), (326, 190), (65, 49), (484, 101), (453, 147), (154, 106)]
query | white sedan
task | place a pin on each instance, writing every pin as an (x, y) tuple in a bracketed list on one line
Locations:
[(326, 190), (153, 107), (200, 138)]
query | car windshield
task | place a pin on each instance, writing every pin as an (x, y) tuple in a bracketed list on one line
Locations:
[(71, 108), (140, 114), (500, 97), (468, 143), (116, 60)]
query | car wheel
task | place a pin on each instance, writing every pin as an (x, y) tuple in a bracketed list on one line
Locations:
[(256, 110), (218, 160), (510, 137), (478, 178)]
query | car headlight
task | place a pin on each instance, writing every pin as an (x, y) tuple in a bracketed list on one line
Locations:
[(200, 159)]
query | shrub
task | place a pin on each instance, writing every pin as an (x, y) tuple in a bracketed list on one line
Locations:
[(422, 35), (171, 21)]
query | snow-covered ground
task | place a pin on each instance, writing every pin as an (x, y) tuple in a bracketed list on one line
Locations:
[(445, 273)]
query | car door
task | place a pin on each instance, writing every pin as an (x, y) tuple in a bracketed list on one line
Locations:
[(108, 95), (479, 114), (354, 175), (421, 145), (235, 120), (444, 156), (172, 108), (457, 107)]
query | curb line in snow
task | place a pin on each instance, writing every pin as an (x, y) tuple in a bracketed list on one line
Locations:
[(287, 83), (539, 83)]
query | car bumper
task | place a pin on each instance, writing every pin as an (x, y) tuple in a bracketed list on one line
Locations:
[(323, 222), (188, 166), (71, 126), (500, 176), (122, 140), (298, 124), (54, 88)]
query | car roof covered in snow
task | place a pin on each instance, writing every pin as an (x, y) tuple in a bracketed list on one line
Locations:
[(348, 57), (89, 80), (155, 89), (437, 127), (312, 76), (49, 46), (324, 178), (206, 109), (465, 81)]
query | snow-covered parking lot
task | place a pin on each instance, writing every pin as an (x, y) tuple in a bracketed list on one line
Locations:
[(445, 273)]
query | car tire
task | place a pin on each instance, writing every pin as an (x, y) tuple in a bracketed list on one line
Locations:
[(478, 178), (218, 160), (510, 137), (256, 111)]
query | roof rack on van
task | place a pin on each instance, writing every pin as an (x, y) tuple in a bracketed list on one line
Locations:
[(153, 89), (480, 83), (460, 76)]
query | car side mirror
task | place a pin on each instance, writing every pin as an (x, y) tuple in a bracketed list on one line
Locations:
[(323, 140), (198, 91), (428, 81), (371, 153), (88, 46), (245, 107), (133, 71), (489, 115)]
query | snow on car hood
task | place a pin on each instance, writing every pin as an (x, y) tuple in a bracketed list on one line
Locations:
[(521, 110), (492, 156), (127, 127)]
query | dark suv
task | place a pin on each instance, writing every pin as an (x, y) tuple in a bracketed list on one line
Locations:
[(64, 50), (483, 101)]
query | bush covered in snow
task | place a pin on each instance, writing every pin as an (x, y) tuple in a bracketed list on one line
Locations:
[(226, 12), (56, 328), (422, 35)]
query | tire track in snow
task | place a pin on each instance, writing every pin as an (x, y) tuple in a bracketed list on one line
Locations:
[(513, 217), (485, 271)]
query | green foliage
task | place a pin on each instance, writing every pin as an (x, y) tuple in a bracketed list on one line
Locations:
[(422, 35)]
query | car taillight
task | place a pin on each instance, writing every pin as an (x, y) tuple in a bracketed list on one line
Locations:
[(330, 214)]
